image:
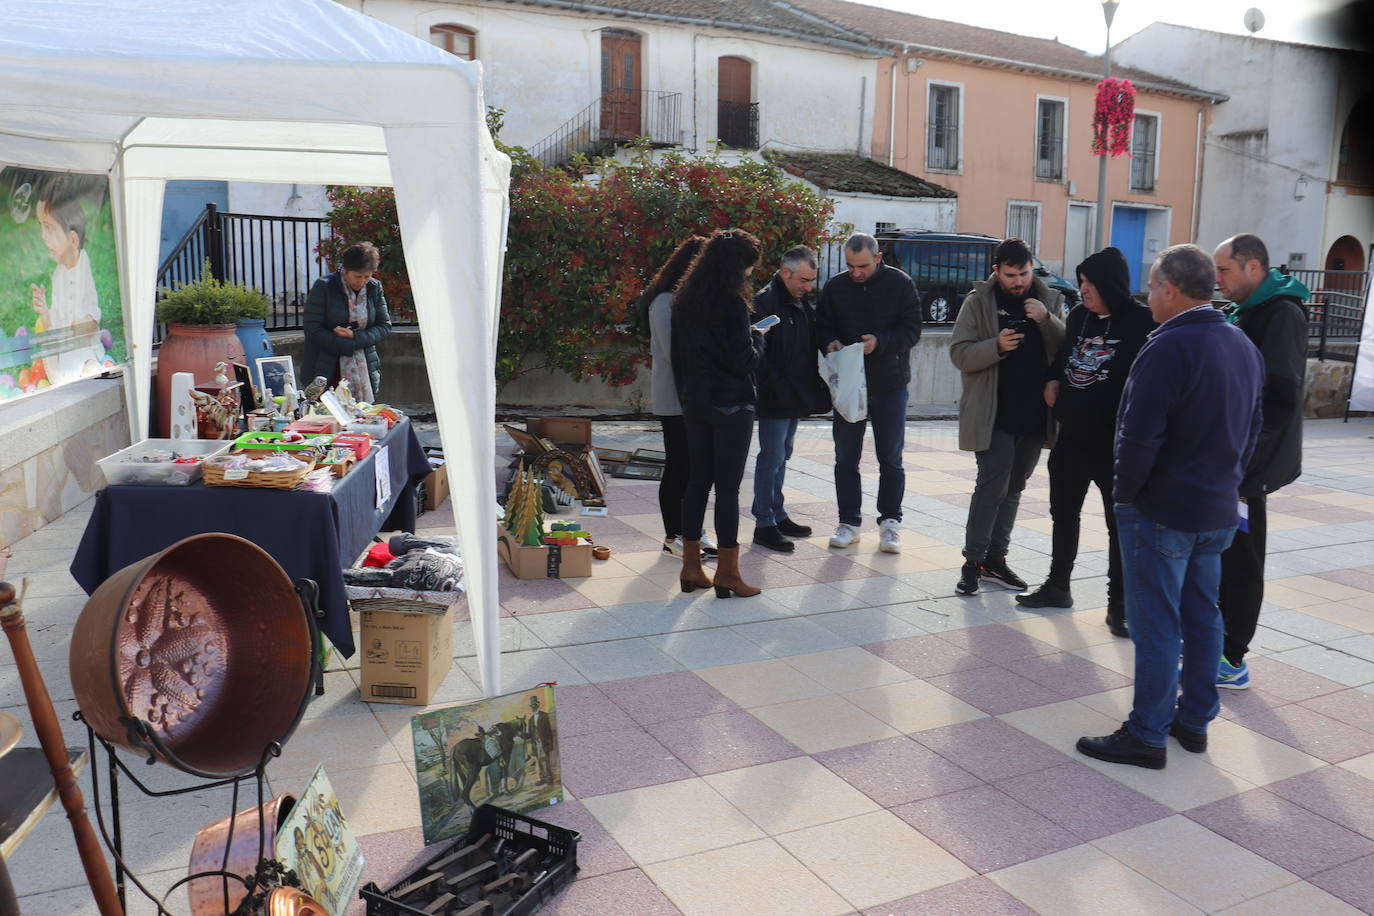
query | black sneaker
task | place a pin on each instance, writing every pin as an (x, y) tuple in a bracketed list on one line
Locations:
[(1193, 742), (768, 537), (1116, 621), (1123, 747), (968, 579), (1046, 595), (793, 530), (999, 570)]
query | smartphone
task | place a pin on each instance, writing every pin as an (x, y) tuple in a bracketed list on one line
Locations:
[(767, 322), (1019, 325), (353, 325)]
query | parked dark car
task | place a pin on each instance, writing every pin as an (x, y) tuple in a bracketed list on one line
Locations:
[(946, 265)]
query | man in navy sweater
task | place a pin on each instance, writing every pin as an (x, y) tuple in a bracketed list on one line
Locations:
[(1188, 423)]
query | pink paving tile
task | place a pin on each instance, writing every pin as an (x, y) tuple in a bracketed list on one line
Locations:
[(986, 828), (634, 541), (995, 690), (997, 643), (1353, 882), (925, 656), (1286, 682), (991, 749), (389, 857), (1068, 675), (597, 852), (1311, 732), (896, 771), (606, 762), (584, 709), (769, 573), (1285, 834), (1335, 793), (1353, 577), (1083, 801), (832, 568), (1236, 704), (725, 741), (661, 697), (540, 596), (1353, 707), (624, 893), (970, 897)]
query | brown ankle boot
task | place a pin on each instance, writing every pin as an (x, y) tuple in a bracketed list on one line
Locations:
[(693, 576), (728, 581)]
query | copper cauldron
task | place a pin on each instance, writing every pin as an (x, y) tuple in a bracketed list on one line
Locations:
[(206, 895), (200, 656)]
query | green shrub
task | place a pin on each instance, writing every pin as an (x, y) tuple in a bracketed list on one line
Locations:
[(210, 301)]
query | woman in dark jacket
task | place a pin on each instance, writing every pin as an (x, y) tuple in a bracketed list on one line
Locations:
[(345, 319), (714, 354)]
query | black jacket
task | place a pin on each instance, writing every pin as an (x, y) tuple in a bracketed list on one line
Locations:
[(886, 306), (1279, 328), (1095, 356), (326, 308), (789, 382), (714, 358)]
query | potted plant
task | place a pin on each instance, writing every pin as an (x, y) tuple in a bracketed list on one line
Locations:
[(201, 319)]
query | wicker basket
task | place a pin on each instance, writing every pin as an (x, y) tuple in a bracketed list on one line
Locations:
[(401, 605), (273, 480)]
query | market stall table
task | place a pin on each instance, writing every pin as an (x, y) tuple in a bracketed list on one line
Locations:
[(312, 535)]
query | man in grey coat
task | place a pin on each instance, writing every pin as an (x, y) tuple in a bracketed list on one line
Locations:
[(1004, 341)]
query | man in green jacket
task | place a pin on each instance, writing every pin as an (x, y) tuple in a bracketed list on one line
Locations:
[(1004, 341)]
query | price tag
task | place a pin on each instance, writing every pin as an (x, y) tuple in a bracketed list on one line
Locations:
[(236, 474)]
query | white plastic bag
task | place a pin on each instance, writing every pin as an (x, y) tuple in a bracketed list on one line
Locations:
[(843, 372)]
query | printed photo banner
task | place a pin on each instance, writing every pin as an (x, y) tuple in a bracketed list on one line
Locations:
[(60, 313)]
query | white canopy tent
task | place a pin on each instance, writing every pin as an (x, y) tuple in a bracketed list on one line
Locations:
[(300, 91)]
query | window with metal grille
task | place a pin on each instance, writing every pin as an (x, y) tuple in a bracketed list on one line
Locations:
[(1049, 140), (880, 228), (942, 128), (1023, 222), (1144, 140), (455, 39)]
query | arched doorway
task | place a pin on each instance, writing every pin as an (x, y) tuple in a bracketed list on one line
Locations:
[(737, 114), (1344, 264)]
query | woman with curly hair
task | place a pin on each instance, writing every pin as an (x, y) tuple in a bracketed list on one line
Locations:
[(714, 354)]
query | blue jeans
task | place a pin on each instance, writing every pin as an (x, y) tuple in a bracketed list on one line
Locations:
[(887, 413), (775, 450), (1171, 579)]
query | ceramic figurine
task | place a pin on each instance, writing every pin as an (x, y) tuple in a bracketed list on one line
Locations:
[(292, 400), (344, 395), (221, 374), (315, 389), (215, 420)]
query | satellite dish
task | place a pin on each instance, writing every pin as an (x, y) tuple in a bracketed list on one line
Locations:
[(1254, 20)]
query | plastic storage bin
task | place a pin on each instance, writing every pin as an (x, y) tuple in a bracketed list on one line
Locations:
[(120, 470)]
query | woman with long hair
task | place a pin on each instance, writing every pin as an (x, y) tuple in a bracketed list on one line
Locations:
[(714, 354), (656, 313)]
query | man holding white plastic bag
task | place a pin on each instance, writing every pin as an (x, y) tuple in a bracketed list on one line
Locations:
[(877, 307)]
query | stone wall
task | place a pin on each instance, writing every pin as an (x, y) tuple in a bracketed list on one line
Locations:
[(1328, 388)]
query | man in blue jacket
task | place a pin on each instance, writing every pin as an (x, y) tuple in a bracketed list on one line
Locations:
[(1188, 423)]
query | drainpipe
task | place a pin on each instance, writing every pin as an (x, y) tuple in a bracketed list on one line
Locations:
[(863, 92), (892, 115), (1197, 177)]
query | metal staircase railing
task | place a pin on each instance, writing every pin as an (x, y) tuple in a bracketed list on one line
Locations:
[(616, 117)]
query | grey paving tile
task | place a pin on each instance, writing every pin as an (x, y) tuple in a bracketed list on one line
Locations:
[(1337, 666), (708, 648), (866, 625), (609, 661), (571, 628), (793, 636)]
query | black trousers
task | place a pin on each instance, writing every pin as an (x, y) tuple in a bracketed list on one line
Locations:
[(718, 447), (1073, 471), (675, 470), (1242, 583), (1003, 469)]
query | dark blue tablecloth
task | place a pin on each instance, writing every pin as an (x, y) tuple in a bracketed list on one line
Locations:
[(312, 535)]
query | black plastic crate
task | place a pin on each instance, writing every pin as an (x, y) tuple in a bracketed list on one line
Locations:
[(555, 852)]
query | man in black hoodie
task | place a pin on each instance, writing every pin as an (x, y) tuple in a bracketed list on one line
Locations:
[(1101, 339)]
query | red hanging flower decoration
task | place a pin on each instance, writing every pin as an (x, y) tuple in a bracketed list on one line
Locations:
[(1112, 118)]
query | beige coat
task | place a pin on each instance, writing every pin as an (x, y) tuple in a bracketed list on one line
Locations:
[(973, 349)]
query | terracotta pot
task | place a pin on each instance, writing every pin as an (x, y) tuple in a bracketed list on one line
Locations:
[(193, 348), (200, 655), (206, 895)]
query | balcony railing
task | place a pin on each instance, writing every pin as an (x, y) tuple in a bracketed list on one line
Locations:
[(1049, 159), (618, 116), (737, 124), (942, 146)]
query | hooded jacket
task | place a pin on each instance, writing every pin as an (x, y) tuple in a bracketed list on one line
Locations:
[(790, 387)]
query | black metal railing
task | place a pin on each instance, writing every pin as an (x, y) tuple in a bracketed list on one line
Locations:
[(278, 255), (617, 116), (737, 124), (1335, 313)]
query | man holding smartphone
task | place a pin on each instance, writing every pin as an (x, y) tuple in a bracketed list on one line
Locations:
[(1008, 330)]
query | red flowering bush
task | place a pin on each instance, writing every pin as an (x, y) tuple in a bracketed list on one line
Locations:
[(369, 215), (1112, 117)]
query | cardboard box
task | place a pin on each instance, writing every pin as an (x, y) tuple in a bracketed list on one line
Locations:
[(404, 656), (549, 562), (562, 430), (436, 487)]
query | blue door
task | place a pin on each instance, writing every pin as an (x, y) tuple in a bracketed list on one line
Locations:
[(1128, 236), (182, 203)]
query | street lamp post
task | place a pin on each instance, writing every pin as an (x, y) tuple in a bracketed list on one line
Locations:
[(1108, 11)]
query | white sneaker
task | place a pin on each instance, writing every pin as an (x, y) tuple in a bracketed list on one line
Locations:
[(673, 546), (844, 536), (890, 536), (709, 550)]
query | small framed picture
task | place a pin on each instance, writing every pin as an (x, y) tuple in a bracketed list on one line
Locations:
[(638, 471), (273, 372), (650, 455), (248, 398), (613, 455)]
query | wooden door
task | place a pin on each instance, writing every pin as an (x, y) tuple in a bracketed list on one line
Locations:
[(736, 122), (620, 85)]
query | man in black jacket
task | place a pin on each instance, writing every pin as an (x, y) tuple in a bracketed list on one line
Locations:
[(789, 388), (1268, 308), (879, 306), (1101, 339)]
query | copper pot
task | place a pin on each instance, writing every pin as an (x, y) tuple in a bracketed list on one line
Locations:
[(288, 901), (206, 895), (200, 656)]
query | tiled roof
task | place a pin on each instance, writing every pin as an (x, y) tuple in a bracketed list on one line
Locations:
[(940, 37), (765, 16), (850, 173)]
